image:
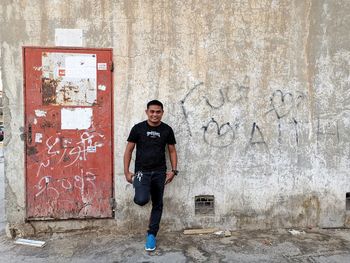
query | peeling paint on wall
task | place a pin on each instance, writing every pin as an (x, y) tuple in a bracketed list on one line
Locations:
[(40, 113), (102, 87)]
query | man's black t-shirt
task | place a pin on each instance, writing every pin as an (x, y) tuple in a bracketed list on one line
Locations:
[(150, 145)]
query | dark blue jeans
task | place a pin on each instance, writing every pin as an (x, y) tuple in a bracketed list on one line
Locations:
[(150, 185)]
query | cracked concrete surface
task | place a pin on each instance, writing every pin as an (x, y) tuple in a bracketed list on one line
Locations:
[(316, 245)]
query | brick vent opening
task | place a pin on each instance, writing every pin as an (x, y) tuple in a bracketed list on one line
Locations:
[(347, 201), (204, 205)]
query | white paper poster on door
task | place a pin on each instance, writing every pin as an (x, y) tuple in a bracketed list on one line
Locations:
[(76, 118)]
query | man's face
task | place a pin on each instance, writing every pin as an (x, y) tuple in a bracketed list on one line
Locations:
[(154, 114)]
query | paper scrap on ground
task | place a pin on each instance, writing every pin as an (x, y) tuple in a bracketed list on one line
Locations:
[(219, 233), (296, 232), (227, 233), (29, 242), (223, 233)]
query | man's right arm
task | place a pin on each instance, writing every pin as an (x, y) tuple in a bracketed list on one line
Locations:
[(127, 159)]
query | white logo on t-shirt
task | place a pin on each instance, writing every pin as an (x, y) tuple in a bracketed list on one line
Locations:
[(153, 134)]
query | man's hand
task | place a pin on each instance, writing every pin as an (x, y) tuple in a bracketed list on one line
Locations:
[(127, 158), (173, 160), (169, 177), (129, 176)]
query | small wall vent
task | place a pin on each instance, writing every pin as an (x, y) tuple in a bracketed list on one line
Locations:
[(347, 201), (204, 205)]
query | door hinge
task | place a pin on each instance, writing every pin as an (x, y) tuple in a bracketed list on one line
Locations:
[(111, 64), (112, 203)]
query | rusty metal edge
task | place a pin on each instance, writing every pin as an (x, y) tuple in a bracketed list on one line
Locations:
[(67, 48), (24, 130), (112, 131)]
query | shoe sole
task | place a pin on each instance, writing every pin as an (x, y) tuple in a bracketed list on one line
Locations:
[(150, 249)]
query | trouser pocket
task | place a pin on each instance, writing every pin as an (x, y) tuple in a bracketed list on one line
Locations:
[(137, 179), (141, 179)]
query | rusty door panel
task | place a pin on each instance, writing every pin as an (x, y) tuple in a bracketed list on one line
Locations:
[(68, 118)]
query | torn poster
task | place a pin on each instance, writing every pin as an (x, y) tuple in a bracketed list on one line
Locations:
[(69, 79), (40, 113), (39, 137)]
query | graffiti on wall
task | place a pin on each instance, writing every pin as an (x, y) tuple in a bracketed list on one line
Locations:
[(223, 119), (218, 135), (285, 105), (64, 151), (216, 132)]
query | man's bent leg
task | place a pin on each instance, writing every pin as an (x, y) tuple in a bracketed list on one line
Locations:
[(157, 190), (142, 186)]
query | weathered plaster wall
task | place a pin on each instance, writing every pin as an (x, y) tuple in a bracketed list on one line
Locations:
[(256, 91)]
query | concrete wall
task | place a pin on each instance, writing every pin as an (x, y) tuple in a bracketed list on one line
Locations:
[(257, 92)]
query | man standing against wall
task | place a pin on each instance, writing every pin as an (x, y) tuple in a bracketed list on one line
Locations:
[(151, 137)]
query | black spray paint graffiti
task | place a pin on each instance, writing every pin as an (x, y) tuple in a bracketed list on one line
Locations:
[(219, 136), (296, 131), (184, 111), (257, 137), (222, 97), (239, 92), (327, 128), (282, 104)]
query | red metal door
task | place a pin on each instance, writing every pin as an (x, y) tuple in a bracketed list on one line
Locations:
[(68, 118)]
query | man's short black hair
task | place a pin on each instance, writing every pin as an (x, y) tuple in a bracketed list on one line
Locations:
[(154, 102)]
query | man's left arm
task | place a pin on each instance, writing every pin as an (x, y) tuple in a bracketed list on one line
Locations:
[(173, 160)]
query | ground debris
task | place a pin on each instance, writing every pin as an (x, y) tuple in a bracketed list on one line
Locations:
[(223, 233), (30, 242), (267, 242), (296, 232), (200, 231), (219, 233), (227, 233)]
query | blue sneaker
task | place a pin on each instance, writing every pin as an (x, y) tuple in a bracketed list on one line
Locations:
[(150, 242)]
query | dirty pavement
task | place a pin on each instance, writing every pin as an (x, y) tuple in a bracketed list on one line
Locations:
[(242, 246)]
